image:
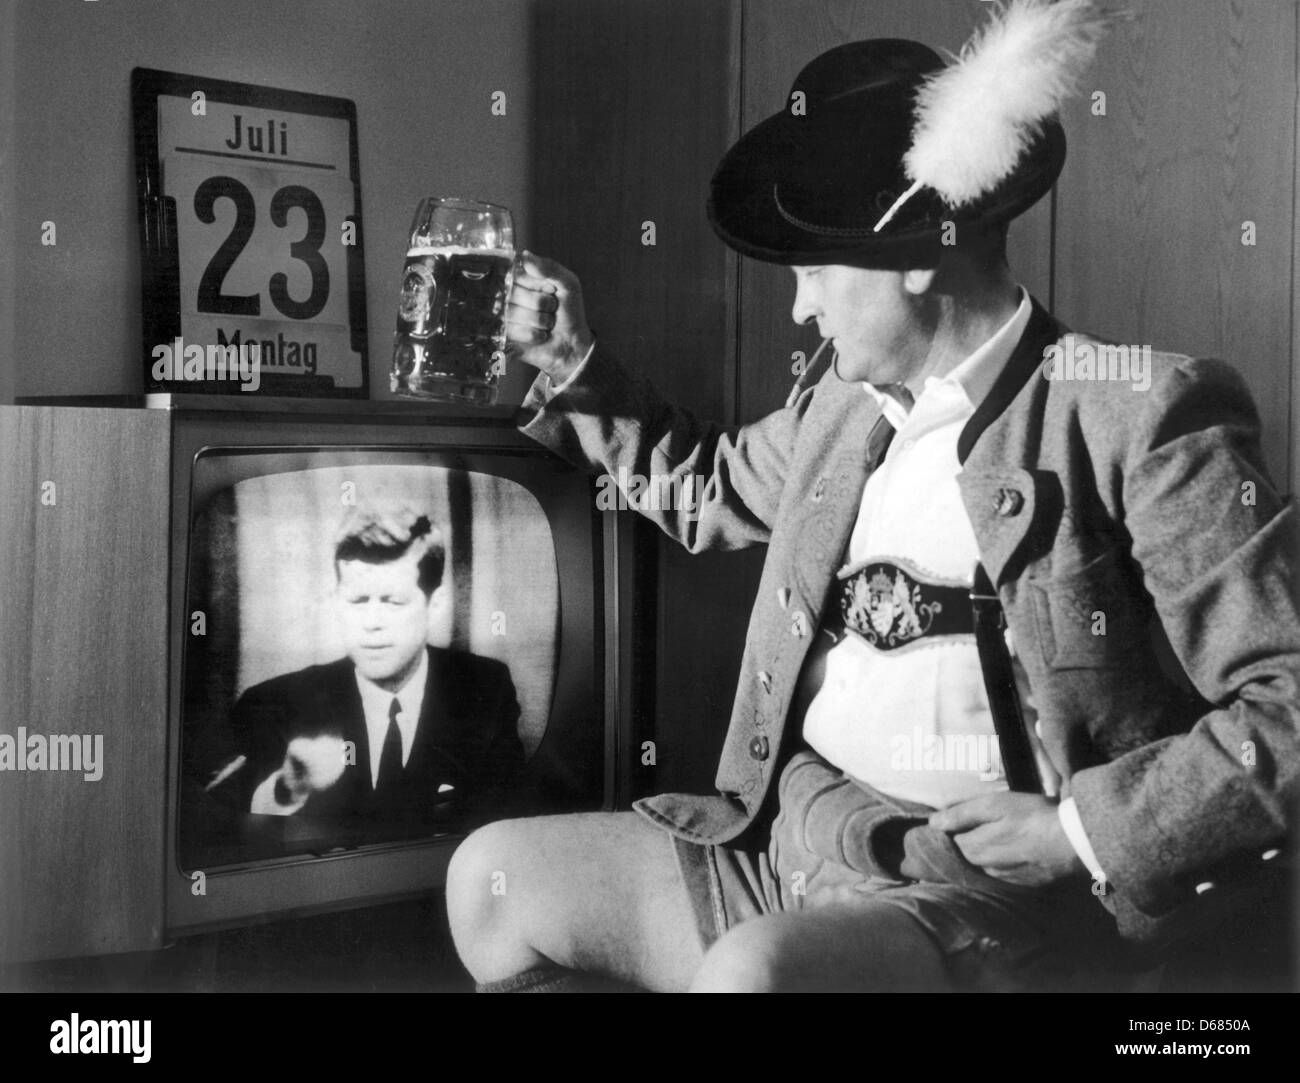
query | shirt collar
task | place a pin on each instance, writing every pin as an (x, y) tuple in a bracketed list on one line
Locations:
[(975, 375), (375, 703)]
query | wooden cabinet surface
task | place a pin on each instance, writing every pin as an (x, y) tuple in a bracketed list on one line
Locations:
[(83, 654)]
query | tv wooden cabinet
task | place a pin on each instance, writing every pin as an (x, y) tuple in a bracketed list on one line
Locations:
[(95, 507), (84, 514)]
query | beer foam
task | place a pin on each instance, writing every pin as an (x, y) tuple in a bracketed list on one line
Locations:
[(459, 250)]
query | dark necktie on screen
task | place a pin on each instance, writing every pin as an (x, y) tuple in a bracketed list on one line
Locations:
[(390, 760)]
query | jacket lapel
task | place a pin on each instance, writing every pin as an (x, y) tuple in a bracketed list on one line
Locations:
[(439, 755), (1026, 360), (338, 706), (825, 535), (1001, 498), (350, 715), (432, 720)]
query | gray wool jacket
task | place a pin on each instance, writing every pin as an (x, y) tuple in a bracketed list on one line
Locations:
[(1151, 506)]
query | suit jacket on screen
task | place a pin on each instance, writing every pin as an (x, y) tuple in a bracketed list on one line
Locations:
[(1085, 497), (465, 760)]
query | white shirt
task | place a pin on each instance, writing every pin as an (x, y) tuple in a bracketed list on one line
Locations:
[(375, 701), (914, 722)]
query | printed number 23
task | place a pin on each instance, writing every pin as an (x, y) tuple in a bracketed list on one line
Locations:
[(307, 250)]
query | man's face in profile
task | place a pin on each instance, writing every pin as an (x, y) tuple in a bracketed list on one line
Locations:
[(868, 314), (384, 617)]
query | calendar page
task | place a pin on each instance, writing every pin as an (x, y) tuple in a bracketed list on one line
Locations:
[(251, 218)]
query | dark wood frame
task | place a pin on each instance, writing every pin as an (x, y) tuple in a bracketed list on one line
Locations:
[(159, 240)]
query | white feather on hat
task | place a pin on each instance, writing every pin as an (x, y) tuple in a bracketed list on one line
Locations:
[(975, 118)]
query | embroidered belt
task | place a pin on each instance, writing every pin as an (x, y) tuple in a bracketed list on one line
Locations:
[(889, 605)]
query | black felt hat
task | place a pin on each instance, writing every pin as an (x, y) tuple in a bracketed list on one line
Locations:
[(809, 184)]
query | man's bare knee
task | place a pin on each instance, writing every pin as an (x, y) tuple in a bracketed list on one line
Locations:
[(479, 902), (596, 892)]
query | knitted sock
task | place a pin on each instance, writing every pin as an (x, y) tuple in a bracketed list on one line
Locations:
[(550, 978)]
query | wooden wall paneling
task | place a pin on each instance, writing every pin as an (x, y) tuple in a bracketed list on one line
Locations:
[(780, 37), (1199, 137), (83, 634), (632, 111)]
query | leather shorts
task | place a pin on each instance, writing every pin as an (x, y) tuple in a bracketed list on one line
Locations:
[(836, 840)]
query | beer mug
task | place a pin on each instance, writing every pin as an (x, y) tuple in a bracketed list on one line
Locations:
[(450, 340)]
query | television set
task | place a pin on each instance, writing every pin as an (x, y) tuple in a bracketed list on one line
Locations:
[(254, 637)]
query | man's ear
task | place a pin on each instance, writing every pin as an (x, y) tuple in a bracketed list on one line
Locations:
[(918, 280), (440, 598)]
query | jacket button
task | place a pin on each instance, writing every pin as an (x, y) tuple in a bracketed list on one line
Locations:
[(758, 748), (1008, 502), (765, 679), (783, 597), (1201, 889), (1268, 855)]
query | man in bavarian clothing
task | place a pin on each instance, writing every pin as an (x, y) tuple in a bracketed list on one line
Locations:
[(954, 760)]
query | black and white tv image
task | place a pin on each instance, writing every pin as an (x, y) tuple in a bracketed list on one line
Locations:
[(373, 647)]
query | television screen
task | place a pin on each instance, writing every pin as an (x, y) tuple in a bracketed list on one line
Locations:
[(374, 645)]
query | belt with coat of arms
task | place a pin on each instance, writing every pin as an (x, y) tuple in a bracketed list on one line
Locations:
[(889, 604)]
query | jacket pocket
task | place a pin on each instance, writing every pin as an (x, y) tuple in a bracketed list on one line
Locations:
[(1086, 619)]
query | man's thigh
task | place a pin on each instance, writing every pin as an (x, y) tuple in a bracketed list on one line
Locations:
[(596, 892), (862, 947)]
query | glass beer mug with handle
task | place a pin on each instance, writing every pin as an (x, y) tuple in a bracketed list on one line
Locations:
[(450, 340)]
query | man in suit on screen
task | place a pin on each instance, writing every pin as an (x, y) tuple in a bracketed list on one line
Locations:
[(398, 732)]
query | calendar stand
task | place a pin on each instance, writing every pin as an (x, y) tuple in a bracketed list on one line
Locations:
[(253, 275)]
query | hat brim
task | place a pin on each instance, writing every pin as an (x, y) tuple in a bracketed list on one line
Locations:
[(745, 209)]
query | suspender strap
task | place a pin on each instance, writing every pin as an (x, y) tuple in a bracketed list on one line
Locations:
[(1000, 685)]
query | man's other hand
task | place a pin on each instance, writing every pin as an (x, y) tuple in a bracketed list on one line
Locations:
[(1016, 837), (546, 326)]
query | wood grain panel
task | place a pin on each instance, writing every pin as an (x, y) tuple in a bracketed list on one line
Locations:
[(1199, 137), (634, 107), (631, 104), (83, 637), (780, 37)]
